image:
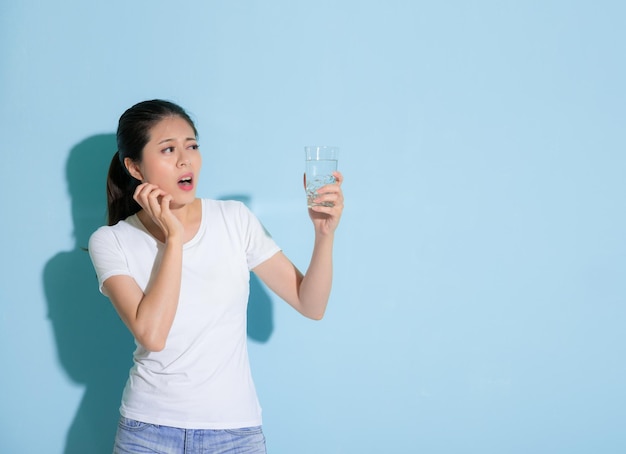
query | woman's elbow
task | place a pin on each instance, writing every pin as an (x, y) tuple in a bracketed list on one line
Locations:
[(317, 316), (154, 348), (152, 343)]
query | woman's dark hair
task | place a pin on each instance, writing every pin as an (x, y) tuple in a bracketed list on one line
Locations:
[(133, 133)]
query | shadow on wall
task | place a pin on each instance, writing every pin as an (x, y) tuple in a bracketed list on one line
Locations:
[(93, 345)]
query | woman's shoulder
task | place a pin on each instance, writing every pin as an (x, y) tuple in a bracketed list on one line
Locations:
[(108, 231)]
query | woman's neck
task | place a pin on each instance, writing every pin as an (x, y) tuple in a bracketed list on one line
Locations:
[(190, 217)]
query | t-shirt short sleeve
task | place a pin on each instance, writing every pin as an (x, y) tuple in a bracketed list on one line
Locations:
[(106, 255), (259, 244)]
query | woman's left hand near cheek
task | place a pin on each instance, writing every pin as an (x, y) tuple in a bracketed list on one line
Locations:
[(326, 218)]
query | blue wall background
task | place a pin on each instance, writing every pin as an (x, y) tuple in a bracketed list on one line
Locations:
[(479, 296)]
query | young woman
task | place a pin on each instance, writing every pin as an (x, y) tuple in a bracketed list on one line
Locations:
[(176, 268)]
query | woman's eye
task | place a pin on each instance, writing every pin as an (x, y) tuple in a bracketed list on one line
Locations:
[(195, 147), (168, 150)]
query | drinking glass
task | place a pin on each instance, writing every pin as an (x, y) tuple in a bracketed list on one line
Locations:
[(321, 162)]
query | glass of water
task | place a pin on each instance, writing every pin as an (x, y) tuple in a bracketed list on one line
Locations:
[(321, 162)]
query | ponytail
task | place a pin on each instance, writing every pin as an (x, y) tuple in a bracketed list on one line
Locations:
[(120, 189)]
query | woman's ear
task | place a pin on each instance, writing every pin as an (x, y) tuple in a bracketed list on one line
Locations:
[(133, 169)]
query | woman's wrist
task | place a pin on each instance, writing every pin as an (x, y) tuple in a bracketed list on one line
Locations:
[(174, 239)]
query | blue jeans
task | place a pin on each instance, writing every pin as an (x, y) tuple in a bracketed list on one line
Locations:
[(134, 437)]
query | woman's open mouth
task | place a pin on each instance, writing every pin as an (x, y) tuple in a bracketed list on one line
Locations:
[(186, 183)]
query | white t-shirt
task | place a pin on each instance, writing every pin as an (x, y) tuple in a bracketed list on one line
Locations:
[(201, 379)]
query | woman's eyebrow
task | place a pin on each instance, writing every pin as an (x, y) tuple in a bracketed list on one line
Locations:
[(171, 140)]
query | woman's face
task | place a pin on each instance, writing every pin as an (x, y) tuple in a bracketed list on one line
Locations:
[(171, 160)]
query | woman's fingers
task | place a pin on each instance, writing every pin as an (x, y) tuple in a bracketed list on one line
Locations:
[(338, 177), (326, 218), (331, 194), (151, 199), (146, 194), (156, 203), (164, 205), (154, 199)]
